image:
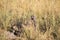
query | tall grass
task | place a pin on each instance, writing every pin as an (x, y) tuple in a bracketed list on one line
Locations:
[(46, 18)]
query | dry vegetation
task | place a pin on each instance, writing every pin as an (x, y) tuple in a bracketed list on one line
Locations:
[(29, 19)]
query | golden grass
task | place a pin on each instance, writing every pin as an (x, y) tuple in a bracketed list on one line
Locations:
[(46, 12)]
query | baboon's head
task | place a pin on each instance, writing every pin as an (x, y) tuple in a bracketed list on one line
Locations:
[(32, 17)]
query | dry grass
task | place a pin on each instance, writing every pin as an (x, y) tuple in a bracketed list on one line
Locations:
[(46, 24)]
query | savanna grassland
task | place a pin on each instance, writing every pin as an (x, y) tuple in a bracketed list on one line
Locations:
[(29, 19)]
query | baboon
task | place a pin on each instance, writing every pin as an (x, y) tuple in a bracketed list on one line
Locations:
[(33, 19), (16, 28)]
